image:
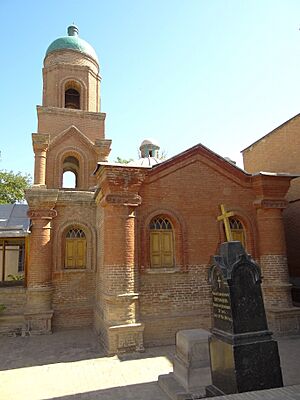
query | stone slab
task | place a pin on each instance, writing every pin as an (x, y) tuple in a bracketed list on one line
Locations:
[(171, 386)]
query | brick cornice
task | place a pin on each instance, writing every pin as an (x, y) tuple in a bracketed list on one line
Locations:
[(273, 187), (121, 199), (270, 203), (68, 111), (119, 185)]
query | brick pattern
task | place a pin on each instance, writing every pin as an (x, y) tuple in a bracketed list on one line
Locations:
[(64, 66), (73, 298), (173, 301), (54, 121), (14, 299), (279, 152), (276, 287)]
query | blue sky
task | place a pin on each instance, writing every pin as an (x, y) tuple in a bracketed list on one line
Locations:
[(217, 72)]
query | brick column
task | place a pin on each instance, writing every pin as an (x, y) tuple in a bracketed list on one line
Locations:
[(270, 190), (117, 294), (40, 144), (39, 311), (273, 260), (120, 291)]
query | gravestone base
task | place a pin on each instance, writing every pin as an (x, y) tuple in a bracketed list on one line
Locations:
[(243, 363), (191, 366)]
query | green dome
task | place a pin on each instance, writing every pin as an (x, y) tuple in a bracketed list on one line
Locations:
[(72, 42)]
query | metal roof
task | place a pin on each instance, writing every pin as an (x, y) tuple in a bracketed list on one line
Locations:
[(13, 220), (72, 42)]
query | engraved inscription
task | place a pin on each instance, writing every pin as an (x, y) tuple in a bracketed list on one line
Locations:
[(221, 305), (127, 341)]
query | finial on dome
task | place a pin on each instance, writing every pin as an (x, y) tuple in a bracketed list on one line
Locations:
[(73, 30)]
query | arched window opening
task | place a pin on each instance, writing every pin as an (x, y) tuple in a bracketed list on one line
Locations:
[(72, 99), (161, 243), (69, 180), (70, 172), (75, 249), (237, 230)]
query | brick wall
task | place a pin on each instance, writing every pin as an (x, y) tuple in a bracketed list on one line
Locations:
[(279, 152), (11, 319), (74, 290), (189, 194), (276, 152)]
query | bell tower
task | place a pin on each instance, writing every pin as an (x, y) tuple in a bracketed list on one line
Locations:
[(71, 133), (70, 139)]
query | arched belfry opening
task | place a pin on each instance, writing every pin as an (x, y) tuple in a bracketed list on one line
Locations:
[(72, 95), (70, 172)]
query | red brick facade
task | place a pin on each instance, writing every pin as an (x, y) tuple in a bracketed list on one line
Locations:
[(130, 303), (278, 151)]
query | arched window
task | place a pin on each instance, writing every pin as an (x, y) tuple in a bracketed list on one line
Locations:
[(72, 99), (70, 172), (237, 230), (161, 243), (75, 249), (73, 92)]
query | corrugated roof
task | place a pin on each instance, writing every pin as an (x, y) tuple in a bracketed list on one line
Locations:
[(14, 220)]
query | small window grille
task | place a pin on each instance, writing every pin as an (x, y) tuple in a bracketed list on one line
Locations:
[(160, 223), (75, 233), (235, 224)]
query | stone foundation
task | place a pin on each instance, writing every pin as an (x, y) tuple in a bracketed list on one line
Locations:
[(284, 321), (38, 323), (124, 338)]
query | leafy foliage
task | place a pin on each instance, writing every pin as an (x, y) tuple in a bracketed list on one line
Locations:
[(12, 186), (123, 160), (16, 277), (2, 307)]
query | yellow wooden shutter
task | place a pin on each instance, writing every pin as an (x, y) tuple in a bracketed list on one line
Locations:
[(166, 249), (238, 234), (70, 253), (75, 253), (155, 249), (80, 253)]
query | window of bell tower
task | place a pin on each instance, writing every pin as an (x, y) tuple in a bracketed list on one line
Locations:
[(70, 172), (72, 95)]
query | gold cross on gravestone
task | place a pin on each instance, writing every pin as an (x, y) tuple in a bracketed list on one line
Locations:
[(225, 215)]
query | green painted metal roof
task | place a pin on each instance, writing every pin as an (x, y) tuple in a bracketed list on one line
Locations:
[(72, 42)]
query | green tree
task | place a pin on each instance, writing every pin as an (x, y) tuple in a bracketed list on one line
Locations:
[(12, 186), (123, 160)]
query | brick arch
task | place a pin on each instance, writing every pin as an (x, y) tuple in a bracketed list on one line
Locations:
[(179, 232), (82, 175), (59, 242), (249, 227), (83, 91)]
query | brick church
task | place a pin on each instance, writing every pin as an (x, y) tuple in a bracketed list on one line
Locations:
[(128, 249)]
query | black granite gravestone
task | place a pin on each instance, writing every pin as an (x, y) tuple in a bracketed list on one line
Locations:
[(243, 355)]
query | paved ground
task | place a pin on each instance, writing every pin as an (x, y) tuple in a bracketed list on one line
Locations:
[(70, 365)]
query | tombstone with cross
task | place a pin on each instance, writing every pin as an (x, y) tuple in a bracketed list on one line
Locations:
[(243, 355)]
